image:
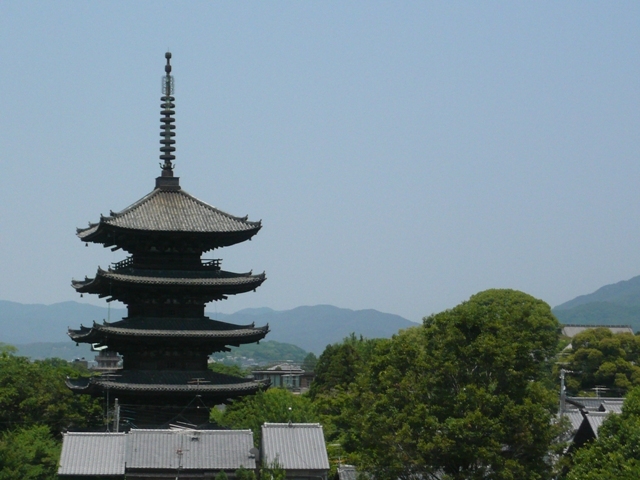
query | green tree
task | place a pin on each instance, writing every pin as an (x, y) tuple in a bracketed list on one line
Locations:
[(275, 405), (601, 358), (29, 454), (245, 474), (309, 363), (234, 370), (615, 453), (340, 364), (34, 393), (273, 471), (221, 475), (463, 396)]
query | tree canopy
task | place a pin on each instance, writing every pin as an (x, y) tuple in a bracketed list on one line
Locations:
[(462, 396), (34, 393), (601, 358), (275, 405), (35, 407)]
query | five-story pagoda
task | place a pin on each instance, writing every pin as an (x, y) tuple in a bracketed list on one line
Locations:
[(165, 339)]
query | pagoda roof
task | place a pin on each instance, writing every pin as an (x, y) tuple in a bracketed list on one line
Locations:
[(171, 211), (188, 382), (218, 280), (170, 328)]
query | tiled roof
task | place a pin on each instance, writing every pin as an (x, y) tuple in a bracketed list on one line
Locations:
[(184, 381), (595, 420), (222, 279), (295, 446), (172, 211), (575, 418), (190, 449), (171, 327), (92, 454), (612, 406), (590, 403), (571, 330), (106, 453), (347, 472)]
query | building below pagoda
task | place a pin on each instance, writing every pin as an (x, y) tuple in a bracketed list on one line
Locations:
[(166, 339)]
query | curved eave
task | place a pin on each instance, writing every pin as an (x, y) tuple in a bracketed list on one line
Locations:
[(106, 282), (163, 212), (105, 234), (99, 333), (95, 385)]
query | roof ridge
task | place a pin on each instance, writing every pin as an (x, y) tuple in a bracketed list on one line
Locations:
[(208, 205)]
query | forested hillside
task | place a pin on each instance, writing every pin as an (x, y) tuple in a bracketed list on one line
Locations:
[(615, 304)]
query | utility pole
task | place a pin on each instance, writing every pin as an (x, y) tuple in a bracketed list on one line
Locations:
[(562, 391), (116, 417)]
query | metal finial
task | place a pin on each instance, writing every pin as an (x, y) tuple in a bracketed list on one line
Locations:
[(167, 121)]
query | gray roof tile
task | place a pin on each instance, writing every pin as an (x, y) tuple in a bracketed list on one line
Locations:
[(612, 406), (92, 454), (571, 330), (297, 446), (190, 449), (172, 211), (595, 420), (575, 418)]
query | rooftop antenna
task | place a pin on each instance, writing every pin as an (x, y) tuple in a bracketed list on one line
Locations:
[(167, 121)]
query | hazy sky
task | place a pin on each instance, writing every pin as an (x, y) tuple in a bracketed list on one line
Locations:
[(401, 155)]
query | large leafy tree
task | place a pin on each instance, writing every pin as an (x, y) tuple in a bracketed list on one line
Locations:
[(463, 396), (276, 405), (34, 393), (28, 454), (340, 364), (600, 358), (333, 388), (615, 453)]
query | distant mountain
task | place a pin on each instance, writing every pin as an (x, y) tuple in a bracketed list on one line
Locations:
[(616, 304), (20, 323), (310, 328), (313, 328), (264, 353)]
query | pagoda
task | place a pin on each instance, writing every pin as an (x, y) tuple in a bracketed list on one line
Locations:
[(166, 339)]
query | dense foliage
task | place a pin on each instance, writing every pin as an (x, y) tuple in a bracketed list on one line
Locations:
[(34, 393), (29, 453), (275, 405), (463, 396), (35, 407), (600, 358)]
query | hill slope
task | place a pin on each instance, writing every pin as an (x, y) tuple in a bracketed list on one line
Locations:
[(615, 304), (310, 328)]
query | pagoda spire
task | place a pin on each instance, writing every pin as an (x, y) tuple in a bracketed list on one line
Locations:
[(167, 121)]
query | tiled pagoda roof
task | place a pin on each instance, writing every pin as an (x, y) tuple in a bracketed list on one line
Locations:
[(226, 282), (170, 328), (172, 211), (196, 382)]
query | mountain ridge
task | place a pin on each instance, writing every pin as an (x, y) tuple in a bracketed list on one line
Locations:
[(311, 328), (614, 304)]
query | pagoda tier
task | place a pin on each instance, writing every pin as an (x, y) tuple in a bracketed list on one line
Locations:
[(171, 291), (156, 399), (169, 220), (213, 334), (209, 385)]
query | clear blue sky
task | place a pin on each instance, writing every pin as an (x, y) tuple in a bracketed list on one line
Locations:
[(402, 155)]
